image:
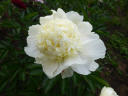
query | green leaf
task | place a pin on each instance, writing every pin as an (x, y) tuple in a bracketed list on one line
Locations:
[(90, 83), (36, 72), (31, 16), (2, 74), (63, 87), (9, 24), (2, 86), (4, 54), (34, 66), (50, 85), (14, 75), (22, 76), (100, 80)]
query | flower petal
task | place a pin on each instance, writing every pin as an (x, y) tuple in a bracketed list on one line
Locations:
[(59, 13), (32, 51), (81, 68), (31, 40), (93, 47), (93, 66), (58, 68), (85, 68), (34, 30), (50, 69), (45, 19), (85, 38), (84, 27), (74, 17), (67, 73), (74, 60)]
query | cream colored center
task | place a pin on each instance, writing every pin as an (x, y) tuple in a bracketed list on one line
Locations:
[(60, 38)]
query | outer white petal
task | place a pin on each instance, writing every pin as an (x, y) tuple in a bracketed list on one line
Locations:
[(85, 38), (69, 62), (81, 68), (50, 69), (31, 40), (45, 19), (74, 17), (67, 73), (85, 68), (59, 14), (34, 30), (108, 91), (93, 66), (93, 47), (32, 51), (85, 27), (74, 60)]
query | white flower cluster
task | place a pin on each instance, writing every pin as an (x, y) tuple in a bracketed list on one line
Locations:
[(64, 43)]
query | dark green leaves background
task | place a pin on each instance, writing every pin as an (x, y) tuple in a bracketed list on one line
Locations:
[(19, 76)]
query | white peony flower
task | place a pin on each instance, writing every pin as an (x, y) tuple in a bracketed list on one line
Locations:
[(108, 91), (63, 43)]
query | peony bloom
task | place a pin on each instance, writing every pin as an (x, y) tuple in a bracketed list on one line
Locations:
[(108, 91), (19, 3), (63, 43)]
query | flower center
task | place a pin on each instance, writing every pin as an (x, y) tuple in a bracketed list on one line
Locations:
[(60, 38)]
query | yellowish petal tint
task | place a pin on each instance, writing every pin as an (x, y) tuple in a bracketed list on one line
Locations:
[(59, 39)]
